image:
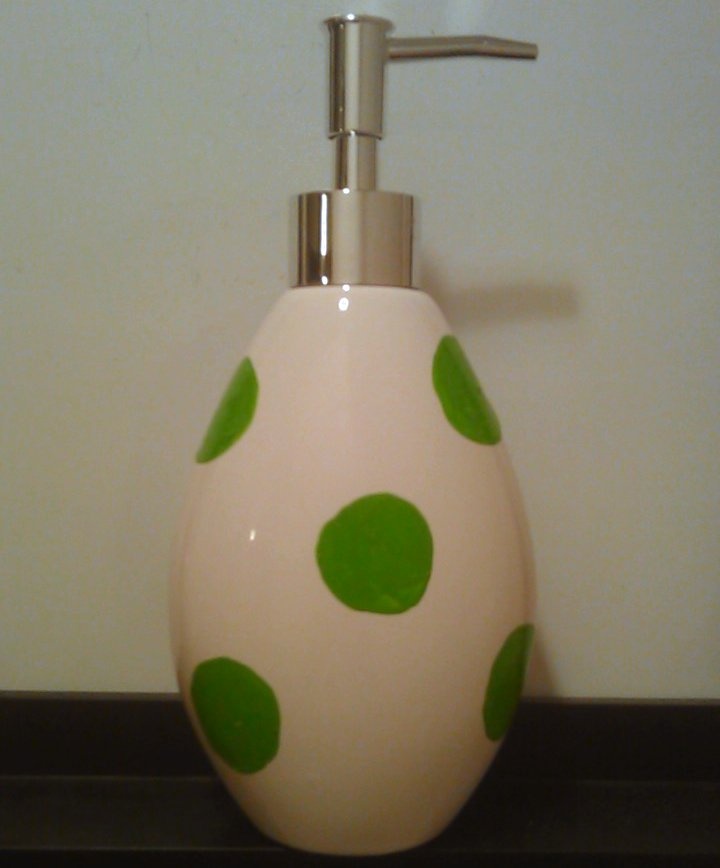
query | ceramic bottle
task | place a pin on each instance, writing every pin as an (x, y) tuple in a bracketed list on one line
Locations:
[(351, 602)]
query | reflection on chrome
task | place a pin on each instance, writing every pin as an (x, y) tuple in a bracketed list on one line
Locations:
[(323, 227)]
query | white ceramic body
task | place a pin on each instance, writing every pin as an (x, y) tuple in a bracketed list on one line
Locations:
[(382, 737)]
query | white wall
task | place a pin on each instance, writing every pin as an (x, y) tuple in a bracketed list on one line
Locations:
[(570, 214)]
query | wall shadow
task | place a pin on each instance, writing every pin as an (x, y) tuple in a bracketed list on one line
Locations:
[(499, 303), (540, 682)]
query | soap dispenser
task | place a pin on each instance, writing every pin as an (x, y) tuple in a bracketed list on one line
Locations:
[(351, 600)]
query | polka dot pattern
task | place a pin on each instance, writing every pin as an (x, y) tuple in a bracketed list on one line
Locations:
[(376, 554), (238, 713), (506, 681), (234, 415), (461, 396)]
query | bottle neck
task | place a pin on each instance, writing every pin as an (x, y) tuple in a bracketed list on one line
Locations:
[(354, 236)]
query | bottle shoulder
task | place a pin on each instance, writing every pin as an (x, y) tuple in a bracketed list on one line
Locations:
[(345, 303), (316, 317)]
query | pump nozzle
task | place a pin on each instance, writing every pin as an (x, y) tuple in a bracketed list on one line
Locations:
[(355, 233), (359, 48), (424, 47)]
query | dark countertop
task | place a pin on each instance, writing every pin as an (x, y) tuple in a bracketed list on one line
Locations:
[(110, 779)]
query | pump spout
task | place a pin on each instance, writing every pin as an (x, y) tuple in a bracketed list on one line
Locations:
[(423, 47)]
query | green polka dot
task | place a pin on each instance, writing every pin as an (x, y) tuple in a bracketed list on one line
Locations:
[(376, 554), (506, 681), (234, 414), (461, 396), (238, 713)]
